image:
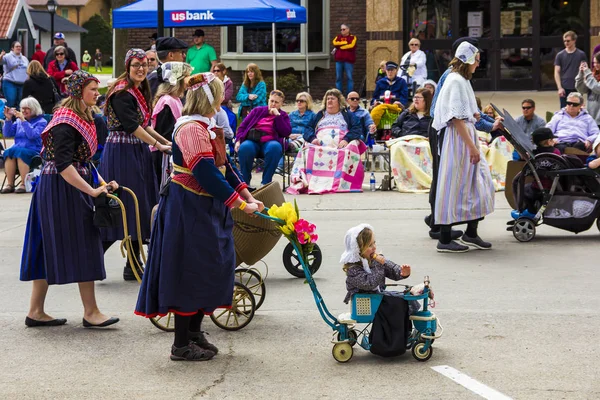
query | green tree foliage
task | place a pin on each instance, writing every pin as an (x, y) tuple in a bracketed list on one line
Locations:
[(99, 36)]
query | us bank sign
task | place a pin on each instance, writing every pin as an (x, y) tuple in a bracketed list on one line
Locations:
[(182, 16)]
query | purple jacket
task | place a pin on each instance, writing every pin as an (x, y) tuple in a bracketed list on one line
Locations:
[(568, 129), (281, 124)]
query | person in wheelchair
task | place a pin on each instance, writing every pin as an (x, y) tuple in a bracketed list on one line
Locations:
[(398, 91), (416, 119), (366, 270), (26, 126), (414, 64)]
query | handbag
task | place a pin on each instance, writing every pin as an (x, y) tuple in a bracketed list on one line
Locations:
[(107, 212), (57, 96), (255, 135)]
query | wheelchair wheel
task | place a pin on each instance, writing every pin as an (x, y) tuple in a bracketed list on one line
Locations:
[(421, 355), (241, 312), (166, 323), (291, 261), (250, 278), (524, 230), (342, 352)]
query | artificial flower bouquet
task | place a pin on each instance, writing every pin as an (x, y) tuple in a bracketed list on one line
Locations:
[(296, 230)]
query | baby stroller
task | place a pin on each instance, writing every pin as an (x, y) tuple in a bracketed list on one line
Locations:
[(569, 193)]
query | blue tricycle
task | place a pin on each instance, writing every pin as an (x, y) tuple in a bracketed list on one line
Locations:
[(427, 328)]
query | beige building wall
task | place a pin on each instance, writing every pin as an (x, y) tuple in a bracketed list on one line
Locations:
[(594, 24), (384, 35)]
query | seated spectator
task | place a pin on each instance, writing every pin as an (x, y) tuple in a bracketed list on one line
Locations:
[(26, 127), (529, 121), (40, 86), (593, 160), (253, 92), (61, 68), (493, 115), (330, 161), (220, 71), (416, 119), (262, 134), (588, 82), (429, 84), (573, 126), (414, 68), (300, 120), (396, 85), (367, 124)]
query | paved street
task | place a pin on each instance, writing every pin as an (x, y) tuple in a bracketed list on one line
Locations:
[(521, 319)]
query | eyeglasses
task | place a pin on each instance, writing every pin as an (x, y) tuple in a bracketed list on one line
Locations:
[(418, 97), (59, 54), (277, 92), (527, 107), (300, 101), (138, 66), (353, 98), (216, 70), (567, 41), (570, 103), (152, 59), (414, 44)]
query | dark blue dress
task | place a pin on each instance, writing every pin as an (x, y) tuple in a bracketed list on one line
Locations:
[(191, 259)]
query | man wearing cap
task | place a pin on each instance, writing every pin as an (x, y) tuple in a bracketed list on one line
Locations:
[(39, 55), (59, 40), (201, 56), (167, 49), (393, 83)]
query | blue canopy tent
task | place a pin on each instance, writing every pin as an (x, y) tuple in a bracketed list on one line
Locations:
[(192, 13)]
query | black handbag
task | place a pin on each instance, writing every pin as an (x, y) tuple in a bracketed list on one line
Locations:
[(107, 211), (255, 135), (55, 93)]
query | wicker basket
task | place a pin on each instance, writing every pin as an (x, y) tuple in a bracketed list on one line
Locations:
[(254, 238)]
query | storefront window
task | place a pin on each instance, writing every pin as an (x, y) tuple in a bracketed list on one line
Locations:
[(474, 19), (430, 19), (560, 16), (516, 18)]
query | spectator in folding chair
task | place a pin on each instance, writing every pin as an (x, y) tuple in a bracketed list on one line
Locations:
[(398, 90), (26, 127), (300, 120)]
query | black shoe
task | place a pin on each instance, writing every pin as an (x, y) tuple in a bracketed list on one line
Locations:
[(128, 274), (427, 220), (53, 322), (476, 242), (191, 352), (108, 322), (454, 235), (251, 189), (200, 340), (452, 247)]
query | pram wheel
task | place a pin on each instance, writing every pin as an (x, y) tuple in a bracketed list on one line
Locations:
[(166, 323), (420, 354), (342, 352), (524, 230), (291, 261), (241, 312), (250, 278)]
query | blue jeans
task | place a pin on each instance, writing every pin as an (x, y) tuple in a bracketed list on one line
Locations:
[(340, 68), (271, 151), (13, 93)]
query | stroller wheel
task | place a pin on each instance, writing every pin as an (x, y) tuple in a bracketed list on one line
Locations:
[(292, 264), (598, 224), (420, 354), (524, 229), (342, 352), (241, 312), (253, 281), (166, 323)]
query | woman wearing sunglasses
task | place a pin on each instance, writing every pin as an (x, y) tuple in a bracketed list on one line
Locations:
[(61, 68)]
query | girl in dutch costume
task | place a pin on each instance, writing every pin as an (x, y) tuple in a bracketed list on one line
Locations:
[(62, 245), (190, 270), (465, 190), (126, 155)]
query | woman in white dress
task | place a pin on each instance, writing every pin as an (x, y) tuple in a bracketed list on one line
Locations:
[(465, 190)]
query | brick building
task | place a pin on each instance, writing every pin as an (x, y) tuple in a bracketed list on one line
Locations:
[(519, 39)]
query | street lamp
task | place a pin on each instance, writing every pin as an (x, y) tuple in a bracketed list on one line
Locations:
[(51, 5)]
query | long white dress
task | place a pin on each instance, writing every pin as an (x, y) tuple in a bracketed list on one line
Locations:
[(465, 191)]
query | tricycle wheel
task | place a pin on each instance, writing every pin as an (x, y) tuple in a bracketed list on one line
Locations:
[(253, 281), (524, 229), (419, 353), (342, 352), (352, 337), (241, 312), (291, 260), (166, 323)]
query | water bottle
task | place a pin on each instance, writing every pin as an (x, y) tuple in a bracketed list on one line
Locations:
[(372, 182)]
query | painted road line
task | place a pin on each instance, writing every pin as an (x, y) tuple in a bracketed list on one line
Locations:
[(472, 384)]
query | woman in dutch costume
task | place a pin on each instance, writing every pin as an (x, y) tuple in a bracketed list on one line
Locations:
[(465, 190), (126, 155), (190, 270), (62, 245)]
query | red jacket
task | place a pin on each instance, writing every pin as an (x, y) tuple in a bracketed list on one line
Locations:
[(39, 56), (345, 48), (58, 75)]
